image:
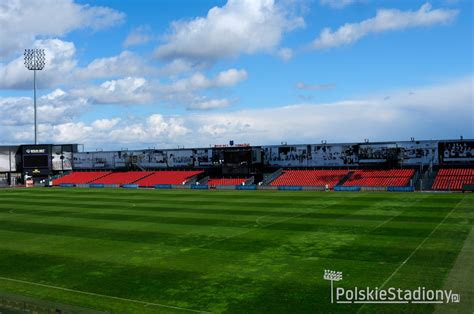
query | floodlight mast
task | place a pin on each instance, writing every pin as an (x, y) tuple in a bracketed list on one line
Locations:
[(35, 61)]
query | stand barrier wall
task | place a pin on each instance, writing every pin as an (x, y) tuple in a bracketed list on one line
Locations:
[(373, 188), (347, 188), (401, 189), (200, 187)]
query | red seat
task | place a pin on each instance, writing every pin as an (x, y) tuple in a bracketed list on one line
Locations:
[(310, 177), (167, 177), (453, 179), (80, 177), (393, 177), (122, 177), (226, 181)]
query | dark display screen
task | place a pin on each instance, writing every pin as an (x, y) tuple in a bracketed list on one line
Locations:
[(233, 157), (36, 161)]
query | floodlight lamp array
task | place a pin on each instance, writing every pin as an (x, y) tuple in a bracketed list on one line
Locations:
[(34, 59)]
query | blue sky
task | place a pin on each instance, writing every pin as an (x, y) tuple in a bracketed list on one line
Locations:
[(166, 73)]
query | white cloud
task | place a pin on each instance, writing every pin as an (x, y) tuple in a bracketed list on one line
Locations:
[(138, 36), (240, 26), (180, 66), (57, 106), (199, 81), (104, 124), (208, 104), (431, 112), (61, 67), (60, 62), (23, 20), (124, 64), (438, 111), (338, 4), (129, 90), (187, 91), (384, 20), (230, 78), (105, 132), (131, 79)]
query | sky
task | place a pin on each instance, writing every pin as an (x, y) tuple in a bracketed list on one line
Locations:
[(183, 73)]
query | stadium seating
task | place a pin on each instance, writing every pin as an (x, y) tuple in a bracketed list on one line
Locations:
[(80, 177), (226, 181), (121, 178), (310, 177), (394, 177), (167, 177), (453, 179)]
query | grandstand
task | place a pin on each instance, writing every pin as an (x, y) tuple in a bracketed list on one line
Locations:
[(310, 178), (167, 177), (346, 165), (453, 179), (376, 178), (81, 177), (226, 181), (121, 178)]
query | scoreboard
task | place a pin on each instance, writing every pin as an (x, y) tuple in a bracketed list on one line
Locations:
[(36, 159), (43, 160)]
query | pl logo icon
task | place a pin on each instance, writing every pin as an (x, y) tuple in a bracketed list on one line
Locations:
[(332, 276)]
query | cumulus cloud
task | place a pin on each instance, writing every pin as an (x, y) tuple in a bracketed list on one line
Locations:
[(102, 133), (131, 80), (187, 91), (62, 67), (129, 90), (60, 63), (139, 90), (207, 104), (23, 20), (125, 64), (384, 20), (240, 26), (199, 81), (57, 106), (438, 111), (105, 124), (138, 36)]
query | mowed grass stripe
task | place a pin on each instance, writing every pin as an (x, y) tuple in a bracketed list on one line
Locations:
[(270, 266), (251, 242), (333, 212), (177, 213), (210, 197), (54, 229), (343, 224)]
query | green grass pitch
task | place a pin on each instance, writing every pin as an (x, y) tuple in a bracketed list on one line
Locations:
[(226, 251)]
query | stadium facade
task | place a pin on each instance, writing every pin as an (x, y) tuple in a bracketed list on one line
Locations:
[(44, 161)]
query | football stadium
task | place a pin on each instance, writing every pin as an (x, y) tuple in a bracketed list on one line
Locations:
[(236, 156), (235, 228)]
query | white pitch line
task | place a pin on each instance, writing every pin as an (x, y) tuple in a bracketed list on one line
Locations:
[(261, 217), (102, 295), (417, 248), (420, 245)]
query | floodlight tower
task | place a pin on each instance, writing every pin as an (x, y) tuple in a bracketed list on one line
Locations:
[(35, 60)]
